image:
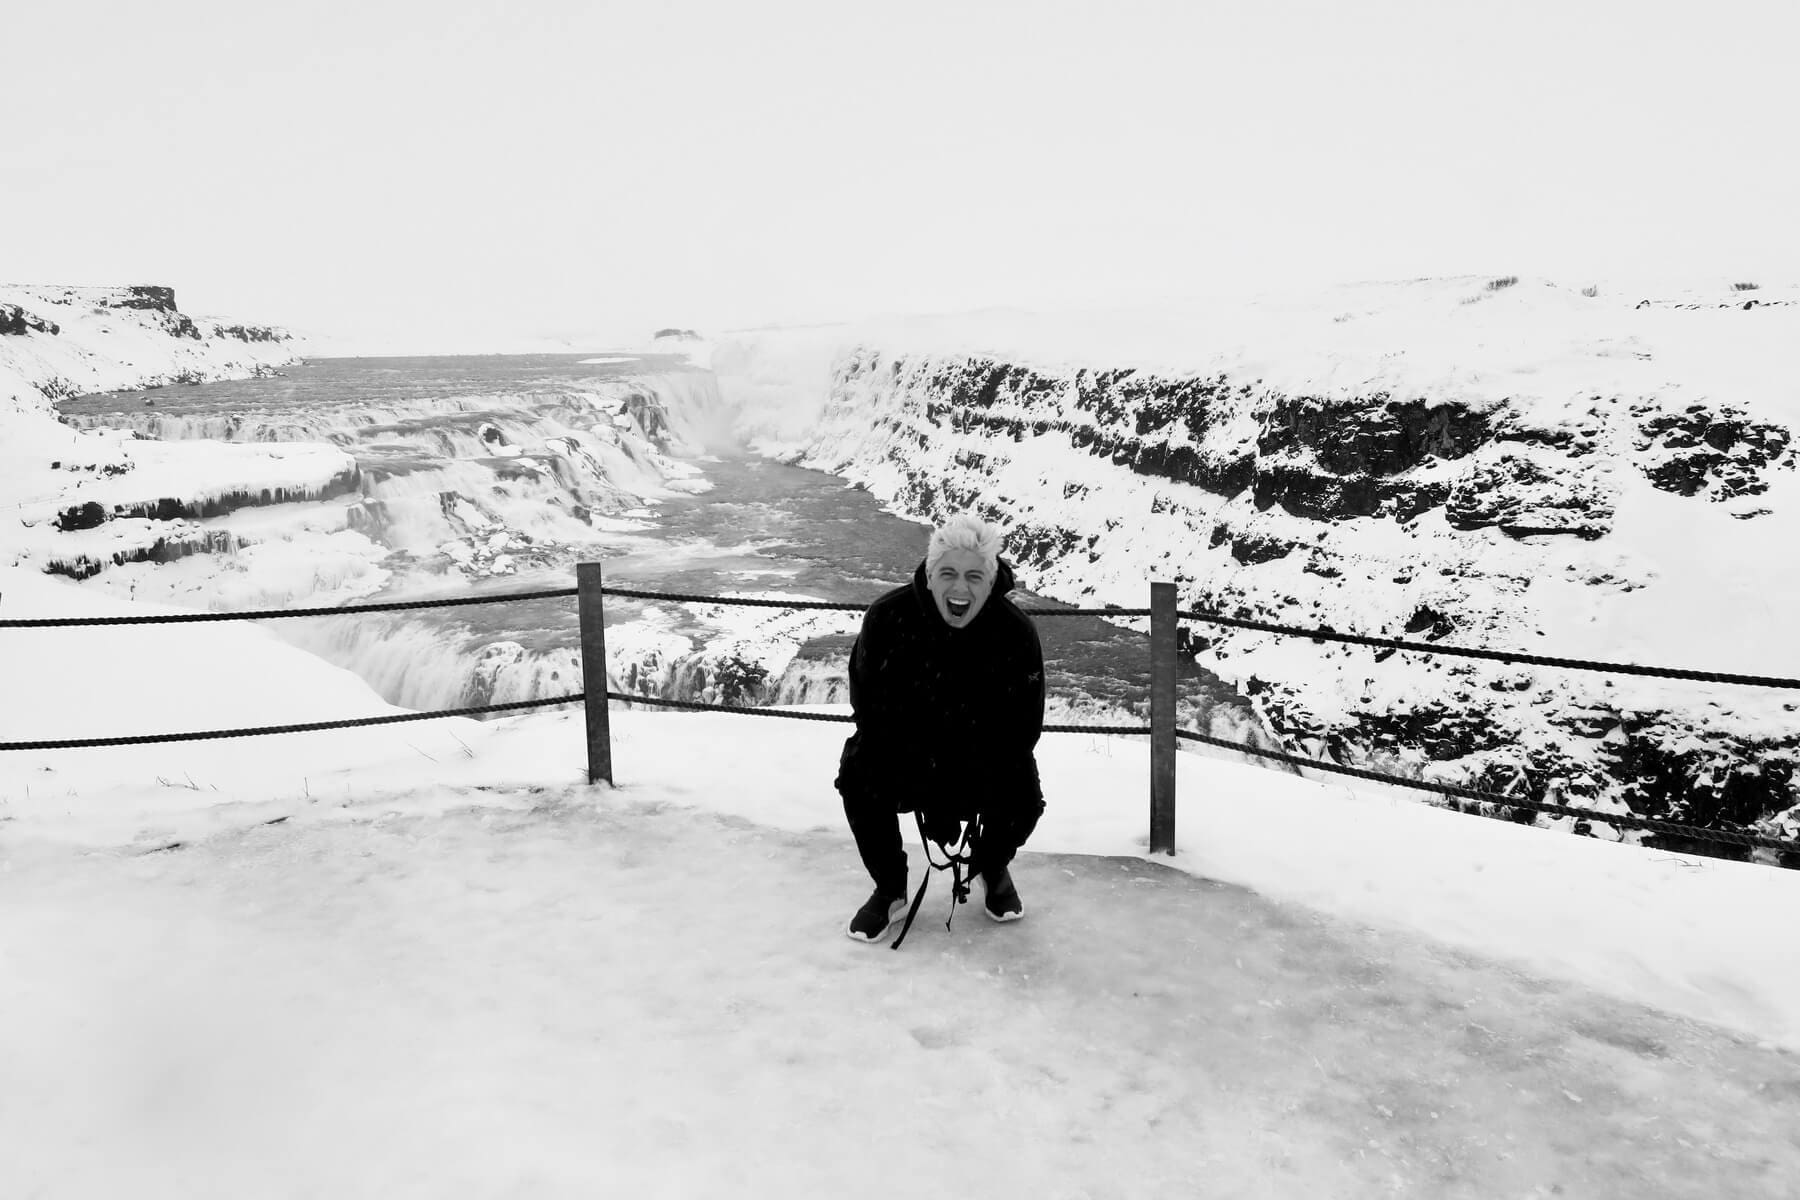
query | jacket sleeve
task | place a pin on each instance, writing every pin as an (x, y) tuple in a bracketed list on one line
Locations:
[(1025, 706), (871, 697)]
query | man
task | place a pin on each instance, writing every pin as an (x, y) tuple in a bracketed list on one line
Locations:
[(947, 684)]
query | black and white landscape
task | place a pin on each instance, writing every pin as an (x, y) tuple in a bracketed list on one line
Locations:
[(738, 300)]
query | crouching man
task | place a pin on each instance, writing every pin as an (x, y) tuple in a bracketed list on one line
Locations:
[(947, 685)]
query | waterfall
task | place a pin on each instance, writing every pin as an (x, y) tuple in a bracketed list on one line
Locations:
[(464, 486)]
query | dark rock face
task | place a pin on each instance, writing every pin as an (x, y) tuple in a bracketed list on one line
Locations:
[(180, 325), (1257, 548), (146, 296), (1520, 497), (1442, 733), (1326, 459), (1429, 624), (91, 515), (250, 333), (163, 550), (17, 322), (1719, 783), (649, 413), (1717, 451), (1280, 476), (85, 516)]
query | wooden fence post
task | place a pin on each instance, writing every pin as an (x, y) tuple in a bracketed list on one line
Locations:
[(1162, 718), (592, 610)]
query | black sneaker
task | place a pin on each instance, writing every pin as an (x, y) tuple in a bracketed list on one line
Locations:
[(876, 917), (1000, 899)]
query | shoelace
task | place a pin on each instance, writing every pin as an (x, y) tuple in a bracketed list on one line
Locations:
[(958, 861)]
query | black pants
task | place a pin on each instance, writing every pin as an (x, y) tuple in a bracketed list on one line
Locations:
[(1008, 818)]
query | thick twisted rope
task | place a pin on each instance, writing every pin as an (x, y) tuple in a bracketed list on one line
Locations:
[(743, 601), (1508, 656), (1630, 820), (272, 613), (758, 602), (456, 601), (1117, 730), (147, 739), (699, 706), (626, 697), (759, 711)]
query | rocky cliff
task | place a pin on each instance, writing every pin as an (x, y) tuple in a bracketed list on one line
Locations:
[(84, 500), (1471, 462), (57, 342)]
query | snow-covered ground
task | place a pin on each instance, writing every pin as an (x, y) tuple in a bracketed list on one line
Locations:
[(426, 959)]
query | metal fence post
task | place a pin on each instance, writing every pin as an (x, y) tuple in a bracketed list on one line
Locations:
[(593, 670), (1162, 718)]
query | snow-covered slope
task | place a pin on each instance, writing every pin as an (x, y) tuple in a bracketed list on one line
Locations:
[(334, 483), (481, 482), (1500, 463), (86, 496), (57, 342), (105, 496)]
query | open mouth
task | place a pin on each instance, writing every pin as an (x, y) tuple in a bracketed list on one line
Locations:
[(958, 608)]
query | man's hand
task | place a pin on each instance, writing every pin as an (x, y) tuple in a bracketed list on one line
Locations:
[(942, 827)]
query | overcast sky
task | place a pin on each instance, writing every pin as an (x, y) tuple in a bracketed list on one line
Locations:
[(447, 174)]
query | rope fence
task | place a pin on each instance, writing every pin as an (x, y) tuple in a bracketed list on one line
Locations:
[(1164, 620), (273, 613), (1507, 656), (148, 739), (1317, 634), (761, 710), (1629, 820)]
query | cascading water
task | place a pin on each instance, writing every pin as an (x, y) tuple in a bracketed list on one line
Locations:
[(498, 474)]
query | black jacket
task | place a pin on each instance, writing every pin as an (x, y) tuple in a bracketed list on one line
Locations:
[(943, 708)]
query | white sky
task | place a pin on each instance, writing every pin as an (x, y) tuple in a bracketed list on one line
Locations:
[(465, 175)]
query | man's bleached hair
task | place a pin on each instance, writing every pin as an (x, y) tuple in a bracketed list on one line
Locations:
[(965, 531)]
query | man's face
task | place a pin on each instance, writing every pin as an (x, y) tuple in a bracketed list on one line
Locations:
[(960, 582)]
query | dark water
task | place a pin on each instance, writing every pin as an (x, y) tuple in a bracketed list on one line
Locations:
[(842, 546), (822, 538)]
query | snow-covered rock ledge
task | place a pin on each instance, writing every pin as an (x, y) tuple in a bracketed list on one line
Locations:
[(57, 342), (75, 500), (1602, 472)]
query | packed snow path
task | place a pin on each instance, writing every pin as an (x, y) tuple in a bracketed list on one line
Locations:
[(600, 997)]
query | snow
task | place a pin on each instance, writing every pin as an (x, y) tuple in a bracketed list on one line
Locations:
[(1684, 582), (102, 346), (1531, 346), (428, 958), (461, 969)]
